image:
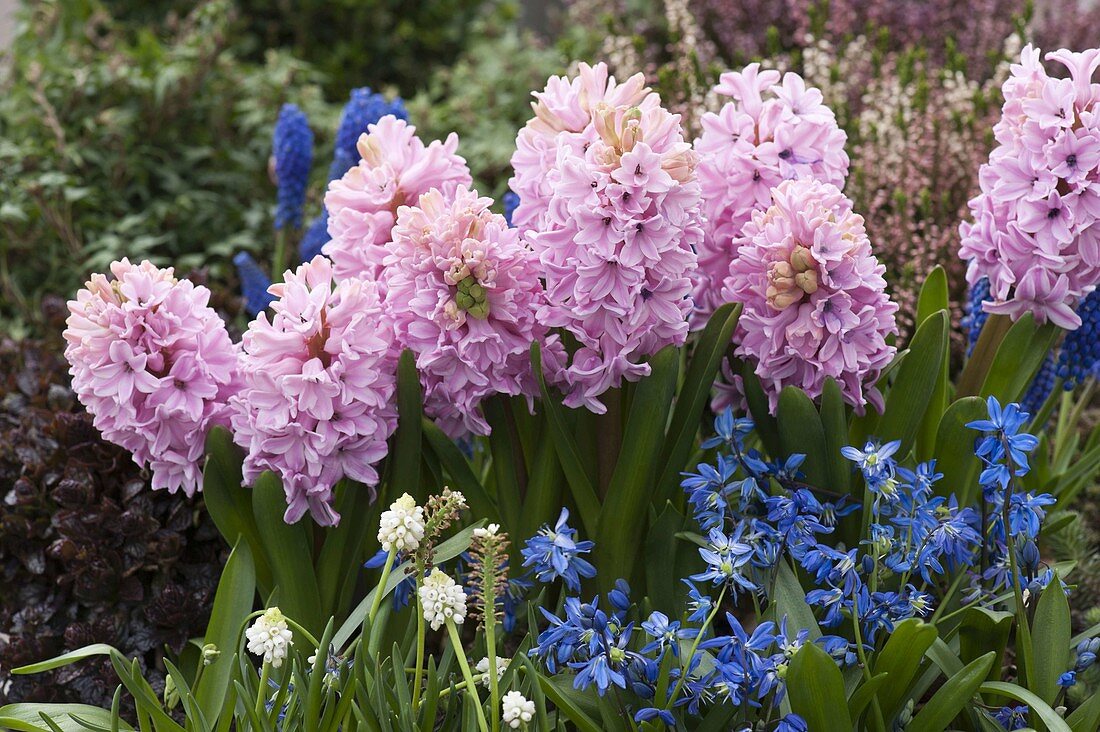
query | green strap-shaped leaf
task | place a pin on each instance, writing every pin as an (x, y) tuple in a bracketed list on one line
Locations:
[(912, 391), (581, 484), (834, 421), (27, 717), (800, 431), (1086, 718), (233, 601), (952, 697), (816, 690), (981, 358), (563, 700), (955, 450), (934, 298), (289, 552), (790, 602), (933, 294), (901, 658), (622, 520), (982, 630), (95, 649), (1038, 707), (706, 359), (862, 696), (462, 475), (1018, 359), (766, 425), (1050, 635)]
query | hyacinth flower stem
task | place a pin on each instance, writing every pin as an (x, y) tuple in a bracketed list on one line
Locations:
[(278, 261), (694, 647), (418, 672), (866, 668), (380, 590), (471, 687), (265, 674)]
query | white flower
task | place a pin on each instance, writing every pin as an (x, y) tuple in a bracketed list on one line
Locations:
[(516, 710), (483, 668), (442, 599), (490, 530), (402, 527), (269, 637)]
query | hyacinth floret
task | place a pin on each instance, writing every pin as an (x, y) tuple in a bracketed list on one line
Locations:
[(292, 150), (610, 204), (813, 294), (771, 131), (1034, 231), (463, 291), (320, 376), (154, 366), (395, 168), (363, 109)]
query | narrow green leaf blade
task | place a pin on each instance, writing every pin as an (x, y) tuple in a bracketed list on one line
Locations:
[(953, 696), (816, 690)]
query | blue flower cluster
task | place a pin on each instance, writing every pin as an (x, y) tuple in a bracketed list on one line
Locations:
[(554, 553), (254, 284), (973, 315), (1041, 386), (1080, 351), (292, 148), (364, 108)]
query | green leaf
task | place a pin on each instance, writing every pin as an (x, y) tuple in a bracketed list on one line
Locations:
[(706, 359), (901, 657), (913, 389), (766, 425), (1018, 359), (563, 701), (955, 450), (667, 560), (1086, 718), (816, 690), (290, 554), (953, 696), (933, 295), (1038, 707), (229, 503), (982, 630), (462, 475), (25, 717), (977, 366), (95, 649), (800, 431), (233, 601), (834, 420), (1050, 641), (790, 601), (622, 519), (863, 695)]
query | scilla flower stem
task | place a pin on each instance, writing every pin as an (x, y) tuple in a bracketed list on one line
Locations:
[(694, 647), (471, 687)]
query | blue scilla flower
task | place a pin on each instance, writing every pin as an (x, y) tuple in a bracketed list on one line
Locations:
[(650, 714), (554, 553), (1012, 718), (792, 723), (666, 634), (511, 203), (726, 557), (364, 108), (292, 148), (1026, 512), (315, 238), (699, 605), (254, 284), (1041, 386), (1081, 348), (1002, 430), (973, 315), (709, 491), (1068, 679), (403, 592), (729, 430), (875, 461)]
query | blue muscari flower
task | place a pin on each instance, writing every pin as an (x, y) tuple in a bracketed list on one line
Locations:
[(364, 108), (1012, 718), (1080, 352), (974, 317), (292, 148), (792, 723), (1041, 386), (1087, 651), (652, 713), (511, 203), (554, 553), (254, 284), (666, 634), (315, 238), (1068, 679)]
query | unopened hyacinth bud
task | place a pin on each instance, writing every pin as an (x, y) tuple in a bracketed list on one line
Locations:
[(483, 668), (516, 710), (401, 527), (269, 637), (442, 599), (171, 693), (210, 654)]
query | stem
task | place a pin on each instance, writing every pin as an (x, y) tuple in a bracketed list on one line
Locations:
[(494, 681), (1023, 649), (471, 687), (694, 647), (421, 632), (278, 261), (380, 590), (863, 660), (265, 673)]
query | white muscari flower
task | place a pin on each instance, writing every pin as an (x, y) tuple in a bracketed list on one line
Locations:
[(516, 710), (483, 668), (269, 637), (401, 527), (442, 599)]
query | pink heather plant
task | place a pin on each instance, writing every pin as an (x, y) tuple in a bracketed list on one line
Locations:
[(813, 294), (395, 169), (463, 292), (320, 375), (769, 133), (1034, 233), (154, 366), (610, 203)]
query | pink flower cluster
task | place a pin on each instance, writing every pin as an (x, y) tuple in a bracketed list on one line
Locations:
[(610, 203), (769, 133), (154, 365), (813, 294), (395, 169), (1035, 233), (463, 292), (320, 376)]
